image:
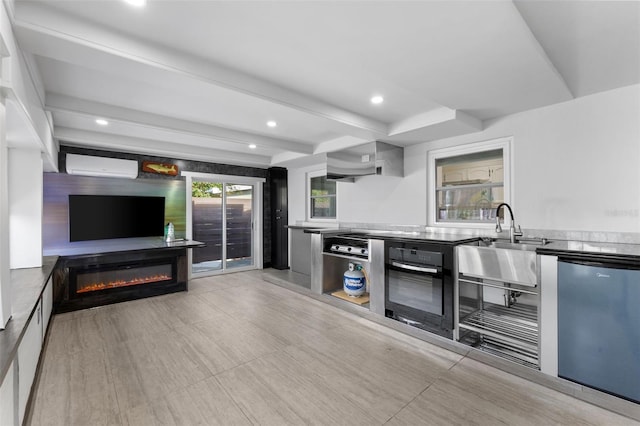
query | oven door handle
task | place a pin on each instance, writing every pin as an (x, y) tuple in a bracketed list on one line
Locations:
[(415, 268)]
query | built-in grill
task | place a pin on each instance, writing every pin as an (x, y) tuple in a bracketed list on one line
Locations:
[(348, 244)]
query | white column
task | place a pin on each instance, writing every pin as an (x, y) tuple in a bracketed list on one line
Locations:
[(5, 285), (548, 314), (25, 208)]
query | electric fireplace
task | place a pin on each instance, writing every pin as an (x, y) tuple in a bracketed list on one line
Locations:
[(87, 280), (94, 280)]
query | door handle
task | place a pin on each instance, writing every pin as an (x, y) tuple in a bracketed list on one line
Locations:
[(415, 268)]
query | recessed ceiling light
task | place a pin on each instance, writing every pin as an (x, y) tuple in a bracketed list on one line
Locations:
[(377, 100), (101, 121), (136, 3), (271, 123), (253, 146)]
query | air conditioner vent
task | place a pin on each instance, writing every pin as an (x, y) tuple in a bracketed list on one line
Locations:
[(86, 165)]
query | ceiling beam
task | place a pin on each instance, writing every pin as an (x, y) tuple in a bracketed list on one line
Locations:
[(432, 118), (337, 144), (48, 33), (538, 47), (156, 148), (61, 103)]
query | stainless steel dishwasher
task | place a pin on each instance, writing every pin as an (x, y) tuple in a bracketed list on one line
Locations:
[(599, 325)]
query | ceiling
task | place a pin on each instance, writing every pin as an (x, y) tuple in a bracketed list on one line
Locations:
[(200, 79)]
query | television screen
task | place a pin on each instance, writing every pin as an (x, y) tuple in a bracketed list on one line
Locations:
[(100, 217)]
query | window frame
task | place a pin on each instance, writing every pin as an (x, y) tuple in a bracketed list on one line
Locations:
[(310, 218), (504, 143)]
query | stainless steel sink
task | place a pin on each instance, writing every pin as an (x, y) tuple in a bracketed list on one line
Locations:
[(501, 261), (527, 246)]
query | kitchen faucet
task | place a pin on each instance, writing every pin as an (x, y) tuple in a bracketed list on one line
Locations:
[(512, 230)]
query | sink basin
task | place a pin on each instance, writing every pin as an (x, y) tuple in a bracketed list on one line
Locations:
[(501, 261), (527, 246)]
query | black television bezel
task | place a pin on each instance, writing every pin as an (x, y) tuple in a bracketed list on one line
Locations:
[(136, 227)]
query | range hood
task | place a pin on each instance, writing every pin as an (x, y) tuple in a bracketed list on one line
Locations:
[(373, 158)]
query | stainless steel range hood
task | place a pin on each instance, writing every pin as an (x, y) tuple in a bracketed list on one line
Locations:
[(373, 158)]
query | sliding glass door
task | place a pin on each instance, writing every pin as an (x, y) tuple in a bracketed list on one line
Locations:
[(224, 213), (239, 221), (207, 225)]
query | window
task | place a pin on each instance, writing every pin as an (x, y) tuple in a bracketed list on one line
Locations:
[(467, 183), (322, 196)]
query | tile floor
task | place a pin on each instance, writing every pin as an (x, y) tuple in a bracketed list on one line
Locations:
[(238, 350)]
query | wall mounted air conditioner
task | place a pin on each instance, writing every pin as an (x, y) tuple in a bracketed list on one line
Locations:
[(86, 165)]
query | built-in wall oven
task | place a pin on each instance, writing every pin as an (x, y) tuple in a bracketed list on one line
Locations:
[(419, 285)]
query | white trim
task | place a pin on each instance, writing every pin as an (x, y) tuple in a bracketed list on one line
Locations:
[(189, 221), (256, 205), (504, 143), (548, 315), (257, 224)]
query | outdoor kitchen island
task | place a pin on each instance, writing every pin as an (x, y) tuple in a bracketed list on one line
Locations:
[(430, 319), (584, 387)]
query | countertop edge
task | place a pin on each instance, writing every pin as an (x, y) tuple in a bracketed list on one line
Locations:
[(400, 236), (136, 246), (588, 255), (27, 286), (303, 227), (580, 250)]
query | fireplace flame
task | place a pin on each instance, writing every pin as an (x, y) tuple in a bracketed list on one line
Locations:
[(123, 283)]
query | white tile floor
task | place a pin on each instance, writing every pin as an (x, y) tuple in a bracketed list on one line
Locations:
[(238, 350)]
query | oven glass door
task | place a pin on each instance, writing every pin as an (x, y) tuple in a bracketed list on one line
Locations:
[(415, 288)]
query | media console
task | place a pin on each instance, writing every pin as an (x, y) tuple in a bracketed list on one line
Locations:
[(125, 270)]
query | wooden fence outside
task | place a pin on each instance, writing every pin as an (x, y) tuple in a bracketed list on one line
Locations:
[(207, 228)]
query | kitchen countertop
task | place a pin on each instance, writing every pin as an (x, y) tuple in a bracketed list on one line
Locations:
[(26, 287), (120, 245), (575, 249), (327, 230), (304, 227), (591, 250), (439, 237), (318, 229)]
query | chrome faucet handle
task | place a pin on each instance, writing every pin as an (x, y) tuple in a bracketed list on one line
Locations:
[(513, 233)]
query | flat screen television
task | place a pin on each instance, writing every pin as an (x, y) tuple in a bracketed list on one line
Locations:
[(101, 217)]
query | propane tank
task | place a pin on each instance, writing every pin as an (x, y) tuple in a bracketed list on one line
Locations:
[(354, 283)]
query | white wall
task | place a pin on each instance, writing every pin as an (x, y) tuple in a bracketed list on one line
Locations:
[(26, 91), (576, 166), (25, 208), (5, 285), (390, 200), (297, 187)]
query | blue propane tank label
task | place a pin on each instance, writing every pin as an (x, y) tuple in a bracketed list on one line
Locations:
[(354, 283)]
